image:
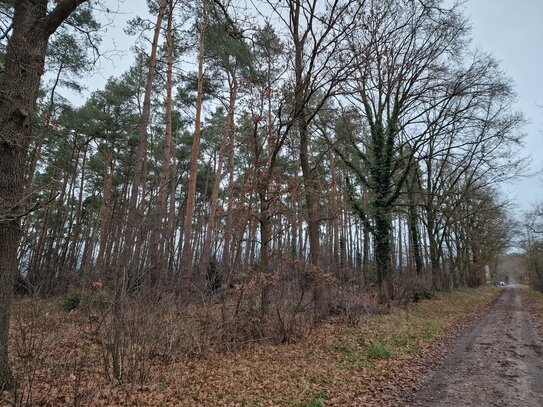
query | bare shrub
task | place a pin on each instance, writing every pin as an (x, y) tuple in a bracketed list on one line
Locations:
[(353, 302), (30, 339), (293, 311), (412, 287), (39, 345), (233, 319), (145, 331)]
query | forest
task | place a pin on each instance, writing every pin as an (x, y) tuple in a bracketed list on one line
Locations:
[(261, 167)]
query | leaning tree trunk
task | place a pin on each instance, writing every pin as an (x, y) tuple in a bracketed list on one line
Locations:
[(19, 85)]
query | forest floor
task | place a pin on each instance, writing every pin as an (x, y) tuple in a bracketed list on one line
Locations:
[(377, 360), (497, 362)]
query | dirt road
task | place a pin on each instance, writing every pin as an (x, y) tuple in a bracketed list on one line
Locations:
[(498, 362)]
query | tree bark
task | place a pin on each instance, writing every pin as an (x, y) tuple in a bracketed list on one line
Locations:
[(382, 234), (309, 182), (191, 194), (214, 204), (159, 226), (19, 85), (132, 216), (104, 217), (265, 240), (415, 237)]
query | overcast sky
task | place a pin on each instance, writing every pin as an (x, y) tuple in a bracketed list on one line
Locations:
[(511, 30)]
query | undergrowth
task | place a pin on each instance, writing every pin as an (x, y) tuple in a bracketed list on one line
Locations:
[(193, 356)]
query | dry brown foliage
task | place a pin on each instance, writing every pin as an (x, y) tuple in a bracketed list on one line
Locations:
[(210, 354)]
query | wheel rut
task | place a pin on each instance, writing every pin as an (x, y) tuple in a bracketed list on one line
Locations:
[(498, 362)]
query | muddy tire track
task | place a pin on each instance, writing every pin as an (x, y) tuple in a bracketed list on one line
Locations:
[(498, 362)]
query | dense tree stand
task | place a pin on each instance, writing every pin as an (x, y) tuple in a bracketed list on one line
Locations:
[(249, 176)]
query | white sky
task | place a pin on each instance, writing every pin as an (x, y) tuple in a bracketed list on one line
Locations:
[(512, 30)]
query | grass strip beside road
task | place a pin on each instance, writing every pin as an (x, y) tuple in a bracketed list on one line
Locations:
[(535, 305)]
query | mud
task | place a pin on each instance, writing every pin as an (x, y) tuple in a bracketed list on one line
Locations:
[(496, 362)]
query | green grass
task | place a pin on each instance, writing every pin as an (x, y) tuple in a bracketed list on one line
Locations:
[(533, 294), (317, 400), (403, 332), (378, 351), (350, 354)]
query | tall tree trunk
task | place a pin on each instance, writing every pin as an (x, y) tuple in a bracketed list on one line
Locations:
[(265, 240), (133, 213), (19, 85), (122, 274), (309, 182), (159, 226), (433, 249), (214, 204), (104, 217), (230, 203), (74, 243), (365, 251), (382, 235), (415, 237), (171, 218), (191, 194), (335, 214), (400, 243), (33, 273)]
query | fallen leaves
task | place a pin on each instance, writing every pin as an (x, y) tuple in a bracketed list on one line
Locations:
[(377, 362)]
